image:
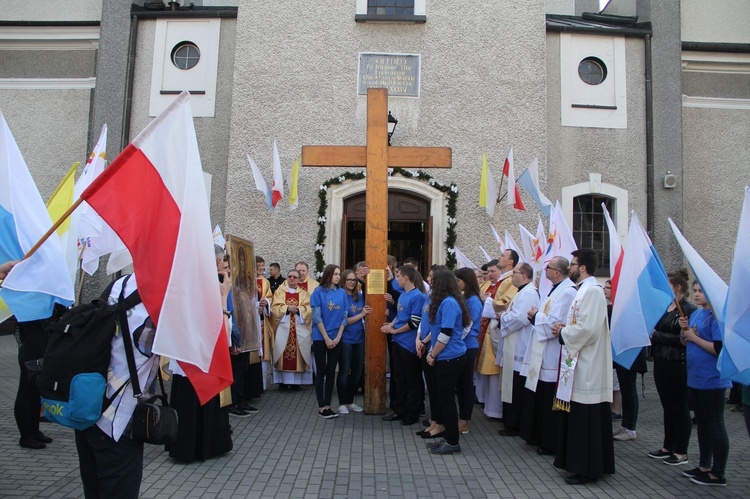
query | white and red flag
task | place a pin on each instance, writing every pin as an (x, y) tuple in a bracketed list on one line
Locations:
[(514, 195), (277, 191), (616, 253), (154, 197)]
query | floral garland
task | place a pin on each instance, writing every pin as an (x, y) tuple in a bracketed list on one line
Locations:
[(451, 190)]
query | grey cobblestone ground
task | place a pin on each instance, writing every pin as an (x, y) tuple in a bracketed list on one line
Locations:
[(287, 451)]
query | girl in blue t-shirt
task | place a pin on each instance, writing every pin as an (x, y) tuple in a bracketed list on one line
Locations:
[(448, 317), (703, 339), (328, 303), (352, 344), (469, 286)]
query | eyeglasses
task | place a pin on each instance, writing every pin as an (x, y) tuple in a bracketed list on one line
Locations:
[(548, 267), (517, 272), (351, 280), (292, 277)]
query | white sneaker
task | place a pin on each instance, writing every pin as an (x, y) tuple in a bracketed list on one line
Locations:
[(354, 407), (343, 409), (618, 431), (625, 436)]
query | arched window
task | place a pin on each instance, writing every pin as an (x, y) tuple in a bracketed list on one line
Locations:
[(582, 205), (590, 228)]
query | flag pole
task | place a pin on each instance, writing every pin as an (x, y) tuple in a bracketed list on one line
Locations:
[(52, 229), (679, 308), (80, 281), (500, 189)]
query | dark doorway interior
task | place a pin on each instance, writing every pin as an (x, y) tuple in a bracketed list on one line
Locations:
[(408, 229)]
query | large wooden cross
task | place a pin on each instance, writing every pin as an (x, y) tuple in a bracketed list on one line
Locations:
[(377, 156)]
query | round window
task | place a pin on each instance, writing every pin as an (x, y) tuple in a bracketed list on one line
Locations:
[(592, 70), (185, 55)]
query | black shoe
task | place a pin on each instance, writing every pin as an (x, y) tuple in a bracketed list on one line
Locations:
[(508, 433), (694, 472), (409, 421), (236, 411), (420, 433), (545, 452), (705, 479), (616, 417), (248, 408), (327, 414), (659, 454), (31, 443), (426, 422), (43, 438), (435, 444), (283, 387), (578, 480), (427, 434), (392, 417), (446, 448), (295, 388)]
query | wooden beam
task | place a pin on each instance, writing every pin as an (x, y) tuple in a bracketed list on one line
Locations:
[(346, 156), (419, 157), (376, 244)]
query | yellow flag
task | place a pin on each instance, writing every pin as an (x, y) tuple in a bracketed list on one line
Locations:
[(293, 197), (483, 183), (62, 199)]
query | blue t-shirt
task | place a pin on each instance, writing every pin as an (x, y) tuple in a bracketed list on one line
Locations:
[(410, 304), (425, 324), (448, 316), (474, 305), (331, 304), (354, 334), (701, 365)]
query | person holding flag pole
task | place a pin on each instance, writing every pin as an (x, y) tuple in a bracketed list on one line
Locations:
[(702, 336)]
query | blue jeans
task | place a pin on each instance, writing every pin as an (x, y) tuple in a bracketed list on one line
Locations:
[(713, 441), (352, 358)]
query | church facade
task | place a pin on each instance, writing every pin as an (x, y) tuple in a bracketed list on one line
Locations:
[(644, 107)]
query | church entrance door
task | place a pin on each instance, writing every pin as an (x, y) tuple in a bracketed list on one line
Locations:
[(409, 229)]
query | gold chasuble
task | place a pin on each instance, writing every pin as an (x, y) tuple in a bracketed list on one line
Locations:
[(309, 285), (502, 293), (264, 291), (292, 339)]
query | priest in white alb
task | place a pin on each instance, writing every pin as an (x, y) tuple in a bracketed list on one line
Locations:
[(539, 423), (516, 329), (584, 389)]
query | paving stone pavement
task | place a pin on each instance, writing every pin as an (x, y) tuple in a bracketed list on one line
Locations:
[(287, 451)]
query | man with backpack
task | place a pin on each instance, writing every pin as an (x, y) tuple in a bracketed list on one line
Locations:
[(111, 462)]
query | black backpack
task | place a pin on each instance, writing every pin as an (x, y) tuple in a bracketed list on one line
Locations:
[(73, 379)]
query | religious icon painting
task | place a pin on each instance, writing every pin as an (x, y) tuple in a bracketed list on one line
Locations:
[(244, 292)]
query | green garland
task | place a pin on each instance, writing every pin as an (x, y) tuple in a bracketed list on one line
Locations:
[(451, 190)]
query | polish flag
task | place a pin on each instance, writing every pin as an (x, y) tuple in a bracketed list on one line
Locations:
[(154, 197), (277, 191), (616, 253), (514, 195)]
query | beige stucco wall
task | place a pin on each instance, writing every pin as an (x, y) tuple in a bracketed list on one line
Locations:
[(46, 10), (727, 21), (50, 128), (619, 155), (212, 133), (717, 168), (483, 85)]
